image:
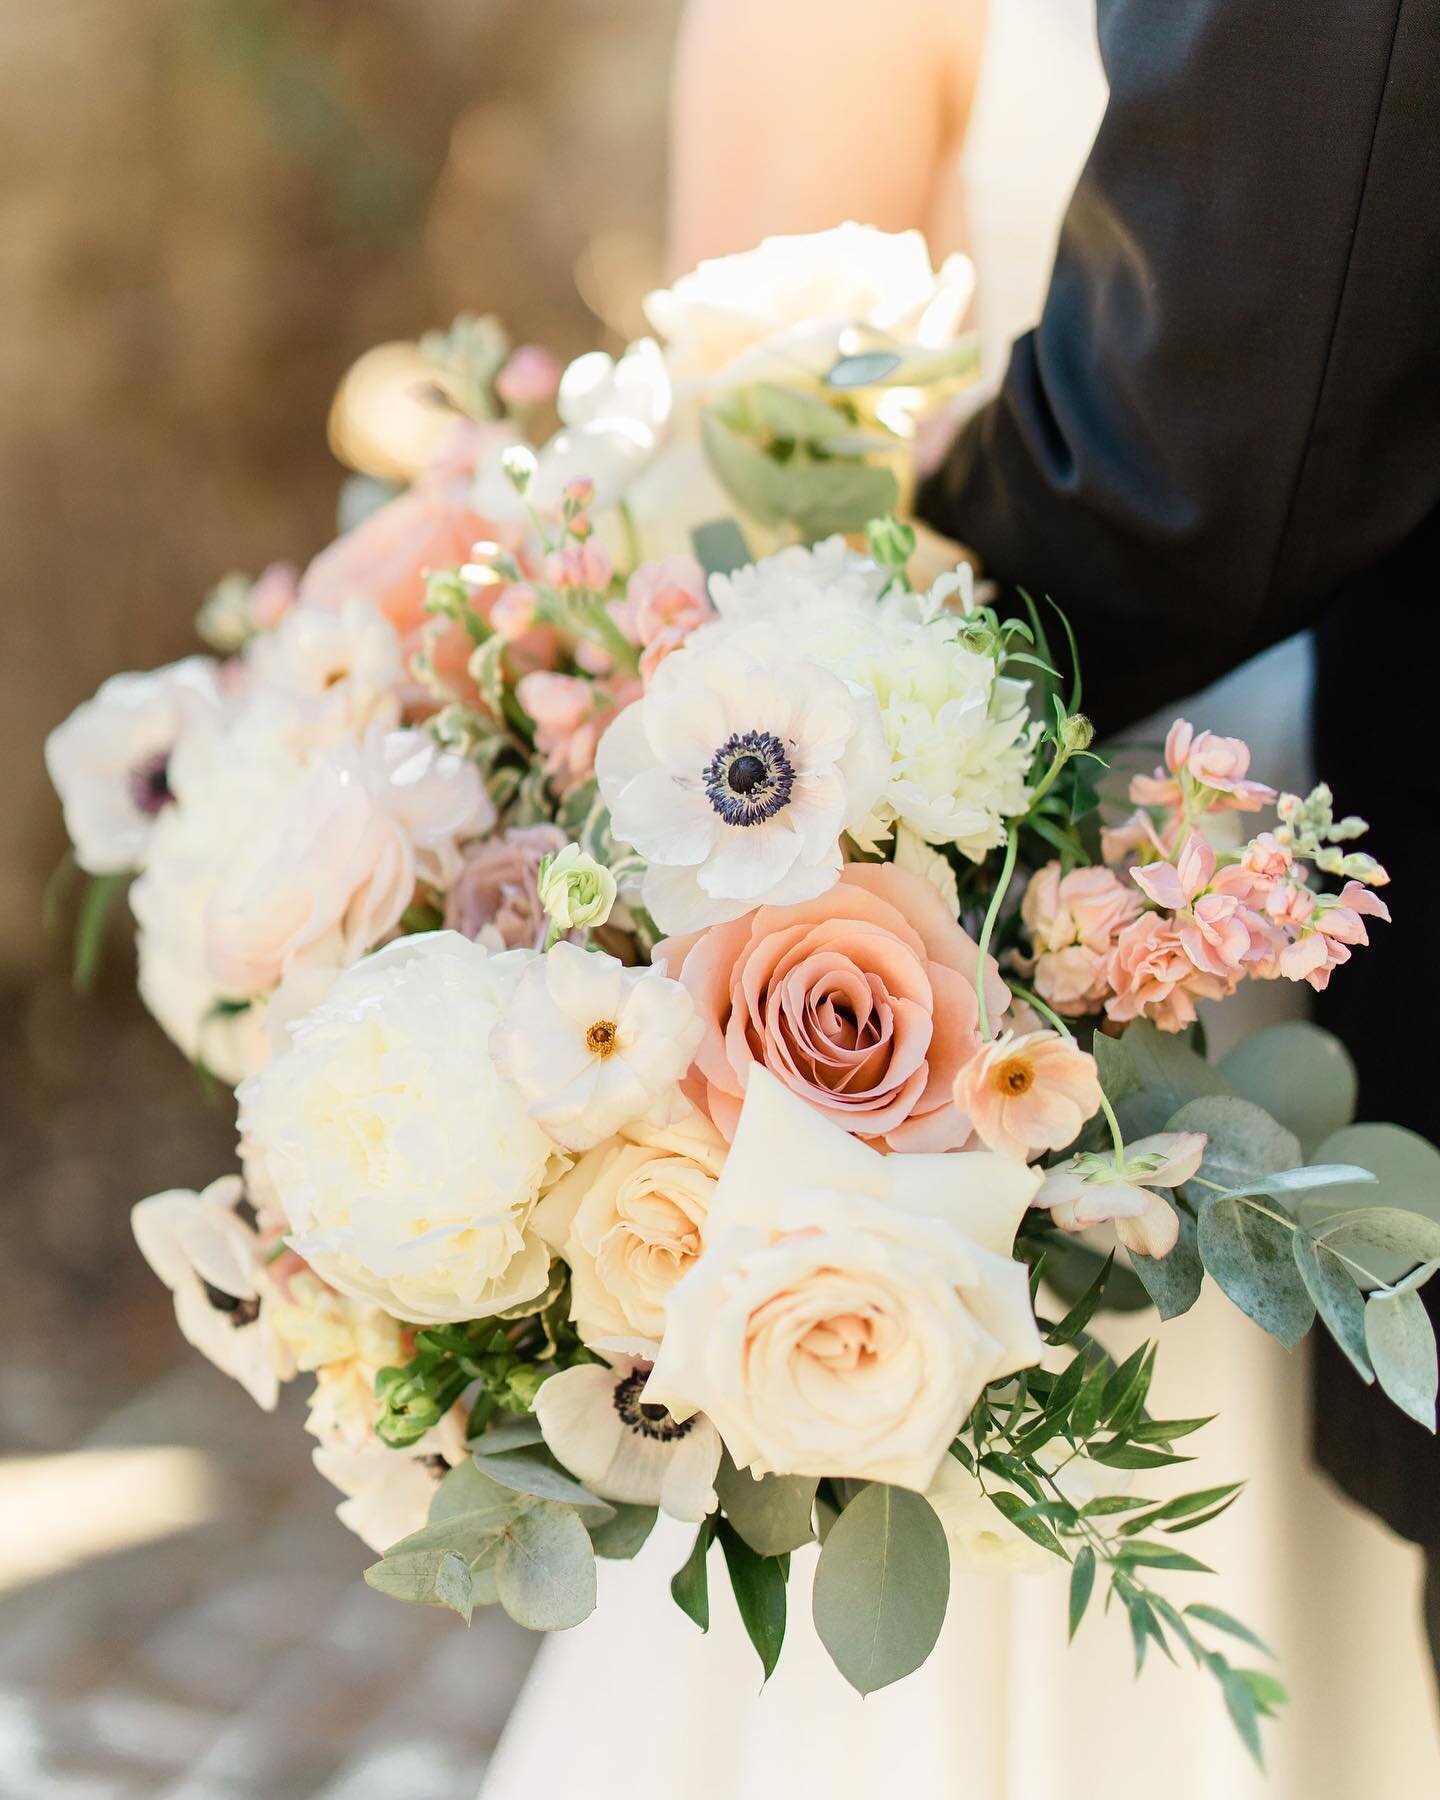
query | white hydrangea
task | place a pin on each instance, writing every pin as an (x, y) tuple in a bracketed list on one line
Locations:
[(959, 734), (406, 1164)]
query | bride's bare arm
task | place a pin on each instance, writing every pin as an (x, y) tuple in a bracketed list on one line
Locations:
[(793, 115)]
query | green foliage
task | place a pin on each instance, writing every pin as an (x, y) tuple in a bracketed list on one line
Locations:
[(759, 1587), (545, 1568), (100, 893), (1173, 1282), (881, 1586), (1401, 1343), (1301, 1075), (1247, 1250), (720, 546), (778, 478), (772, 1513), (623, 1535), (1407, 1180), (689, 1586)]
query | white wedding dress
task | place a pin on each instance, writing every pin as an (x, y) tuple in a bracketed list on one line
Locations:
[(637, 1705)]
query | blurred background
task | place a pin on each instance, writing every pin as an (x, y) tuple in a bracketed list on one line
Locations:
[(209, 208)]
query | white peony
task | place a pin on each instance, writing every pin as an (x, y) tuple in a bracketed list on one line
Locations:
[(110, 760), (794, 303), (599, 1422), (630, 1219), (326, 874), (206, 1250), (959, 735), (593, 1046), (406, 1164), (735, 776), (849, 1307)]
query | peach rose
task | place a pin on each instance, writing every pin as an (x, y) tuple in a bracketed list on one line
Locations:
[(862, 1002)]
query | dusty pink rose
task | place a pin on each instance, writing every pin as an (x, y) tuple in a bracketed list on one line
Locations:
[(862, 1002), (1151, 976), (1073, 921), (1028, 1094), (530, 378), (494, 897)]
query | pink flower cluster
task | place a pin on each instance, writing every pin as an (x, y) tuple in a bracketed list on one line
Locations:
[(1187, 923)]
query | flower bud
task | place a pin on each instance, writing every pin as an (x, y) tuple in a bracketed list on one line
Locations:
[(1076, 734), (576, 891), (519, 463)]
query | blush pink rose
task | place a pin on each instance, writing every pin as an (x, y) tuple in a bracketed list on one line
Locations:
[(495, 896), (861, 1001)]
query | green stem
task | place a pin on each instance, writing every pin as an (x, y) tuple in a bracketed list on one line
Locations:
[(987, 930)]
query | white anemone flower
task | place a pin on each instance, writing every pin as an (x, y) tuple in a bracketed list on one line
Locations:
[(110, 760), (597, 1422), (205, 1250), (405, 1163), (1093, 1190), (593, 1046), (388, 1492), (735, 777)]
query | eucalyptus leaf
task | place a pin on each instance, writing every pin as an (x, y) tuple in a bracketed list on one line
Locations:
[(545, 1569), (772, 1513), (1338, 1300), (515, 1434), (622, 1536), (759, 1586), (531, 1474), (425, 1578), (1249, 1254), (788, 413), (1401, 1342), (1303, 1076), (1407, 1179), (466, 1493), (1168, 1073), (720, 547), (1243, 1142), (818, 497), (1309, 1180), (881, 1586), (866, 369)]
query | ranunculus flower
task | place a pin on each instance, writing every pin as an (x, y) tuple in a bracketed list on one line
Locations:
[(495, 897), (735, 776), (576, 891), (849, 1307), (630, 1219), (406, 1164), (592, 1046), (328, 874), (1028, 1094), (208, 1253), (599, 1423), (110, 760), (1095, 1190), (861, 1001)]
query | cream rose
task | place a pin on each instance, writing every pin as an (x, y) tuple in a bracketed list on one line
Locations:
[(630, 1219), (849, 1307)]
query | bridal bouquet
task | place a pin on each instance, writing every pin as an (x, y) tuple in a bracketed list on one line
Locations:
[(703, 1045)]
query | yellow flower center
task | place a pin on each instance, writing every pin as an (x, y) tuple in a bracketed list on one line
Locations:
[(600, 1039), (1013, 1078)]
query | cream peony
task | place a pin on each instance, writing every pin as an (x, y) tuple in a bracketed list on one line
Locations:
[(110, 760), (630, 1219), (204, 1247), (959, 735), (592, 1046), (735, 776), (329, 870), (405, 1163), (849, 1307)]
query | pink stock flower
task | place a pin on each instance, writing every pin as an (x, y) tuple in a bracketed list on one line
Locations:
[(571, 716), (1219, 765), (1152, 977), (585, 566), (1028, 1094), (1136, 836), (1175, 885), (1336, 926), (513, 612), (1224, 938), (531, 378), (668, 601), (559, 704), (1073, 921)]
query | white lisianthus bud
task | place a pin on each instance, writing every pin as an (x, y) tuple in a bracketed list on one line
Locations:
[(576, 891), (519, 463)]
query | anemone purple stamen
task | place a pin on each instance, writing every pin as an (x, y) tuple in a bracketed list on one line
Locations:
[(150, 784), (750, 778), (650, 1421)]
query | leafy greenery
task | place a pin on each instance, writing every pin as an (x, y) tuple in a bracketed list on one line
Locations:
[(881, 1586)]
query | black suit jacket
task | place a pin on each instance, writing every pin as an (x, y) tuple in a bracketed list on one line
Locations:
[(1226, 427)]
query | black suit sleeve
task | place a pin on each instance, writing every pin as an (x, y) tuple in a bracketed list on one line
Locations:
[(1231, 404)]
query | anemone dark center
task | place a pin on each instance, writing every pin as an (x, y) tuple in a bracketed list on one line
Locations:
[(150, 784), (649, 1420), (242, 1312), (750, 778)]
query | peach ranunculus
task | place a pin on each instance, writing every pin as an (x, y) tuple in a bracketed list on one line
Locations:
[(1073, 921), (861, 1001), (1028, 1094), (495, 899)]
